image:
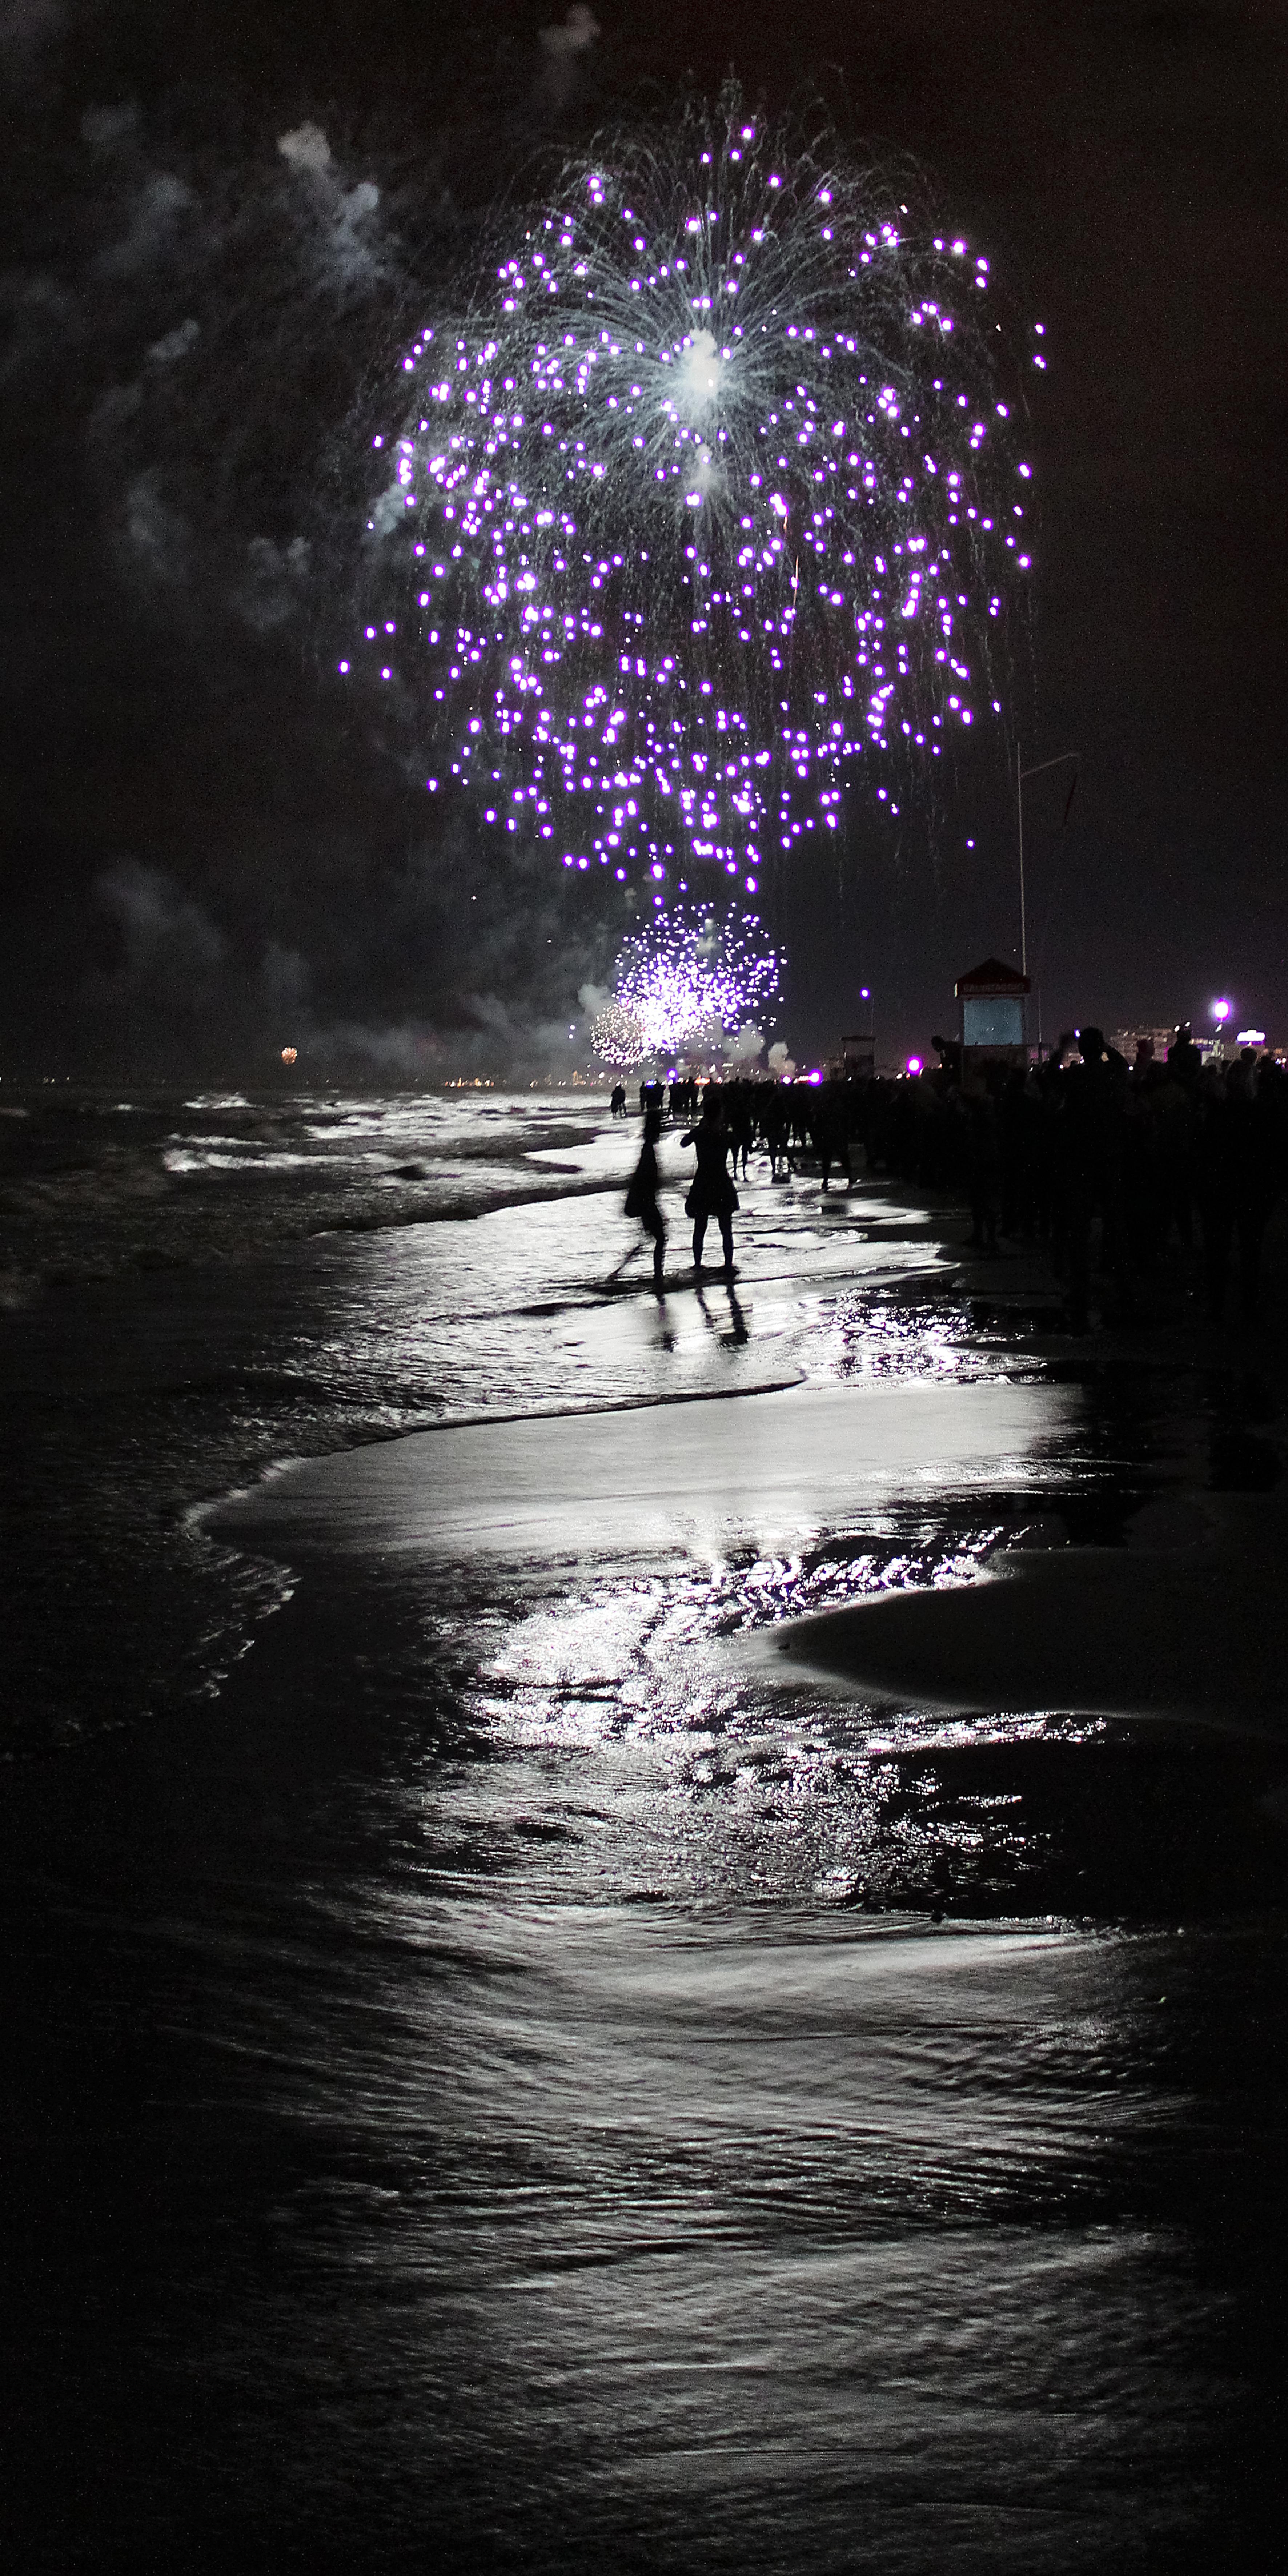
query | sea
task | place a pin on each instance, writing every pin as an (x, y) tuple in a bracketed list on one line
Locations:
[(497, 2077)]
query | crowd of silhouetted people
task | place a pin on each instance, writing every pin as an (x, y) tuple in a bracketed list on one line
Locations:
[(1121, 1170)]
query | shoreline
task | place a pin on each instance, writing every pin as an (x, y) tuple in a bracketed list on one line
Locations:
[(1186, 1629), (649, 1476)]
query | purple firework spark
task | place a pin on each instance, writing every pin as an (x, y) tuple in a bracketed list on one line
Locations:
[(707, 499)]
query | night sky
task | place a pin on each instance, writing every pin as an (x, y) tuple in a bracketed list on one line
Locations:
[(209, 853)]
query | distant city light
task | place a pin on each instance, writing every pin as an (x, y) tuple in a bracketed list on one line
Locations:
[(914, 1064), (1252, 1037)]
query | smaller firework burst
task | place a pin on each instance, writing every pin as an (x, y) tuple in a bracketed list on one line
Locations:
[(617, 1036), (686, 983)]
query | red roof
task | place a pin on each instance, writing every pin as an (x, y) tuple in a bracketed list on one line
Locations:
[(991, 978)]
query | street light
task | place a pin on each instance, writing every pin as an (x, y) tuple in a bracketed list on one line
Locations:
[(1020, 776), (870, 1033)]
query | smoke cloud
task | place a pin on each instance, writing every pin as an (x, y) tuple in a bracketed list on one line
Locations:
[(563, 48), (175, 344), (306, 148), (206, 310), (165, 933)]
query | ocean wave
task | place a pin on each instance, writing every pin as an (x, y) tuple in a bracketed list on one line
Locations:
[(182, 1158)]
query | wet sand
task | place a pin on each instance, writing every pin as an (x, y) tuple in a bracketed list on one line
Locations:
[(767, 1469), (1187, 1623), (1193, 1634), (530, 2077)]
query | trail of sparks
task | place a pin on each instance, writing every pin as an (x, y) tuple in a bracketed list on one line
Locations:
[(710, 498)]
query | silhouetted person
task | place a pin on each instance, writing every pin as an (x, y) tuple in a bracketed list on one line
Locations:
[(1019, 1129), (1239, 1167), (1175, 1106), (713, 1193), (740, 1125), (1144, 1210), (641, 1197), (617, 1104), (983, 1169), (1183, 1058), (775, 1125), (832, 1133), (1092, 1135)]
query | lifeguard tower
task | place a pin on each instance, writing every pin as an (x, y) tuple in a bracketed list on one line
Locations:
[(993, 1000)]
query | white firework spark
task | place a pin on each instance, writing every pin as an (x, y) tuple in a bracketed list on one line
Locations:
[(688, 981)]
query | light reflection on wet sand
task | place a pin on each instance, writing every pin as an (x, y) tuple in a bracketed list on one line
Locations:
[(491, 2091), (578, 2234)]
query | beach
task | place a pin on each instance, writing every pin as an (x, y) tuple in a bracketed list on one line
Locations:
[(668, 1949)]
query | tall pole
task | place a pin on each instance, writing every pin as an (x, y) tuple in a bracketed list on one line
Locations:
[(1019, 810), (1020, 775)]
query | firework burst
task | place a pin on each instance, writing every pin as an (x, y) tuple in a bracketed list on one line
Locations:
[(688, 981), (710, 497)]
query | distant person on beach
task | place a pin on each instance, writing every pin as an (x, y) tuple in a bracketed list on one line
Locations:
[(983, 1167), (775, 1126), (617, 1104), (832, 1134), (1183, 1058), (1094, 1096), (641, 1197), (712, 1193), (741, 1128), (1239, 1167)]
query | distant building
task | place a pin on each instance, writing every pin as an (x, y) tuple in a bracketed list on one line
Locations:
[(858, 1057), (1223, 1048), (1155, 1042)]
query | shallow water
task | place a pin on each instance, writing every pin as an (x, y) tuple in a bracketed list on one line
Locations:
[(168, 1333), (495, 2080)]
